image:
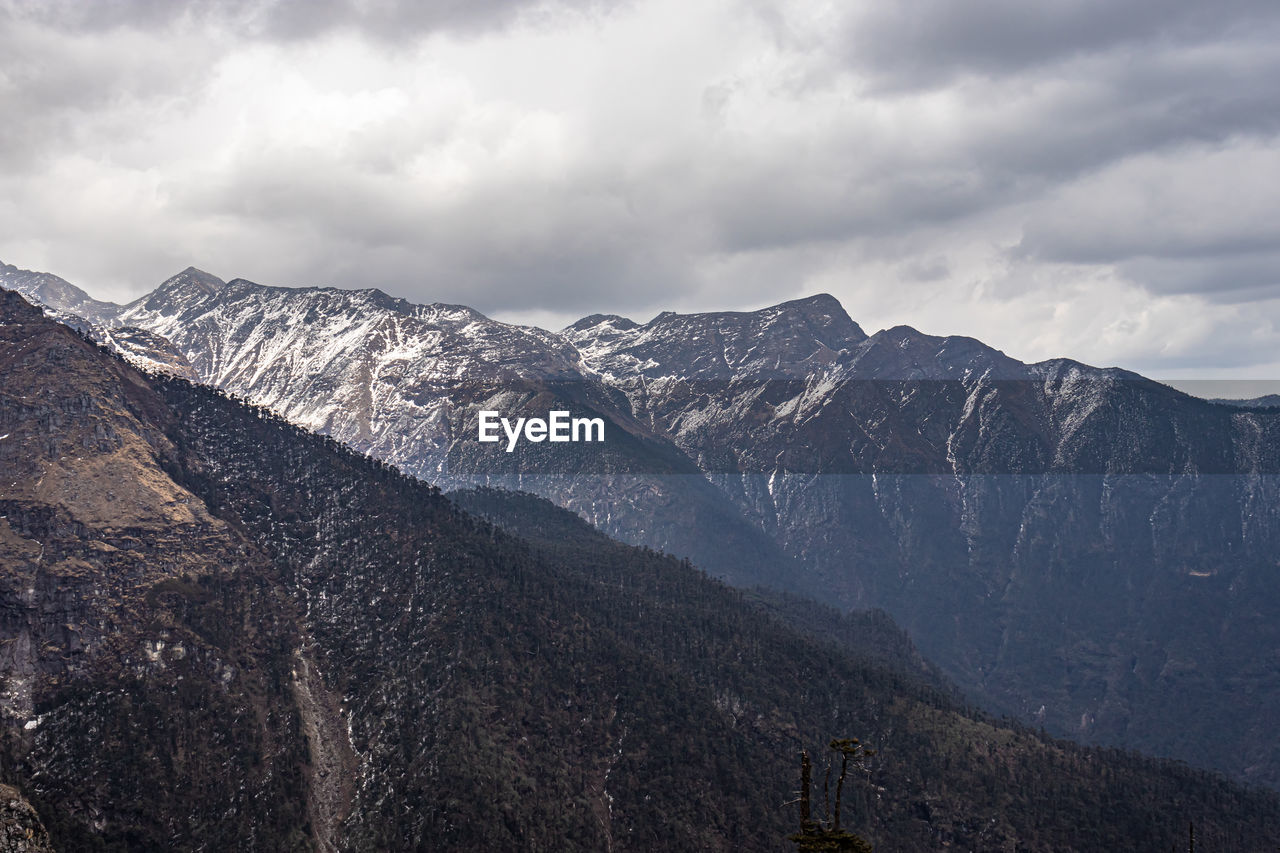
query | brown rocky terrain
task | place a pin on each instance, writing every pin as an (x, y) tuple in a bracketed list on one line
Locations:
[(90, 522), (111, 573)]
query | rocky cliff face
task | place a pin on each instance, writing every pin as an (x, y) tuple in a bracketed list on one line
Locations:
[(136, 674), (1083, 547)]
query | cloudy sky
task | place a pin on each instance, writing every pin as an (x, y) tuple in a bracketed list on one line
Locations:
[(1093, 178)]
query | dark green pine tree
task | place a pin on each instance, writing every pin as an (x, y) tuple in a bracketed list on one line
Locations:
[(816, 835)]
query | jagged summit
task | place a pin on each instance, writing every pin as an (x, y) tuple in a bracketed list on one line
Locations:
[(816, 306), (1059, 369), (821, 310), (320, 300), (199, 278), (190, 281), (616, 321), (786, 340), (903, 352), (176, 294), (824, 301)]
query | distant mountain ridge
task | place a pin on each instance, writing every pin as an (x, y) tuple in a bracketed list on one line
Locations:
[(68, 304), (1263, 402), (55, 292), (1083, 547)]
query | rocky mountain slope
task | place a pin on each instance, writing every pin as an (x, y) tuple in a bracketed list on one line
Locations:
[(68, 304), (222, 632), (1085, 547), (51, 291), (405, 383), (1081, 547)]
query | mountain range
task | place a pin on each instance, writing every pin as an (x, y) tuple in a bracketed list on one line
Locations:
[(225, 632), (1083, 548)]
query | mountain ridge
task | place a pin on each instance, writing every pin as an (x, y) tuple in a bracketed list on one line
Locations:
[(478, 691), (1073, 544)]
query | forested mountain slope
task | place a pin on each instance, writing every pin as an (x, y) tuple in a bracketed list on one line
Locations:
[(224, 632)]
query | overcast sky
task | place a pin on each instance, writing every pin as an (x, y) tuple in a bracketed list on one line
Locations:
[(1097, 179)]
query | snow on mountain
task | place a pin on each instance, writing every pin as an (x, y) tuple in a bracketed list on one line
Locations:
[(790, 339), (144, 349), (62, 301), (380, 373), (57, 293), (405, 383)]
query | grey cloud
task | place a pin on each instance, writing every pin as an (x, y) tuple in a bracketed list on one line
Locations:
[(1247, 277), (933, 268), (793, 204), (1233, 344), (54, 94), (1090, 242), (74, 16), (1203, 221), (917, 131), (1046, 92), (512, 247), (929, 42), (385, 20), (393, 20), (1015, 140), (1126, 108)]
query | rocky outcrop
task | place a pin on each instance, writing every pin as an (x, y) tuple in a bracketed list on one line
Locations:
[(20, 828)]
